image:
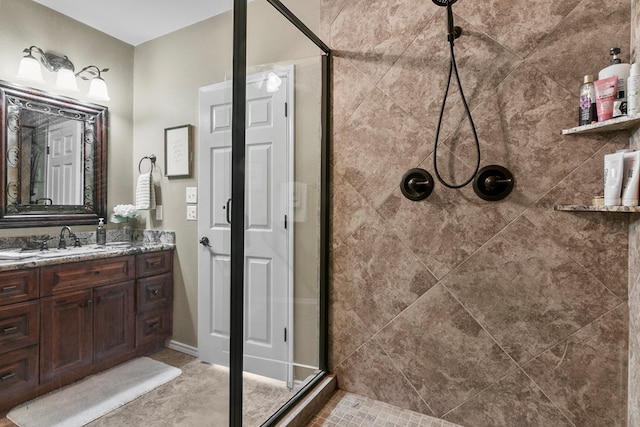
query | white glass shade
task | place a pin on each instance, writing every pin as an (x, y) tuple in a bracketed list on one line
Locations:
[(98, 90), (30, 70), (66, 80)]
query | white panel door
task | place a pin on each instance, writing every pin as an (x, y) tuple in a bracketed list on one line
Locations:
[(65, 167), (267, 238)]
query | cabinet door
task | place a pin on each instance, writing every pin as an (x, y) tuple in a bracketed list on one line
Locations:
[(114, 321), (18, 373), (67, 334), (19, 325), (153, 263), (154, 292), (19, 285)]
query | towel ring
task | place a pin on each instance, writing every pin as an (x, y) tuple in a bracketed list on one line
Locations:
[(151, 158)]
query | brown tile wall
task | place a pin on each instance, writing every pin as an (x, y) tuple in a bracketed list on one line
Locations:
[(481, 313), (634, 261)]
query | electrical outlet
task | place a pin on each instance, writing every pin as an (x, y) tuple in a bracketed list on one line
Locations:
[(158, 212), (192, 213), (192, 194)]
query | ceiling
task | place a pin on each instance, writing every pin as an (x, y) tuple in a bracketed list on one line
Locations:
[(138, 21)]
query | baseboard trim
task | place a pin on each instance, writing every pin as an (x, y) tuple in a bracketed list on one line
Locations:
[(183, 348)]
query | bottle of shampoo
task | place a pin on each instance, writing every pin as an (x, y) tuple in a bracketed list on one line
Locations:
[(631, 178), (617, 68), (101, 233), (587, 111), (633, 90)]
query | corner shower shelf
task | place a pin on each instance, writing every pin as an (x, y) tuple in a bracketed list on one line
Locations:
[(619, 123), (590, 208)]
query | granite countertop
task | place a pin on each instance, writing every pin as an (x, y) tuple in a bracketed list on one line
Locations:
[(91, 252), (13, 258)]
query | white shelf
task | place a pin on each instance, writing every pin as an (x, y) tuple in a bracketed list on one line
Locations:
[(619, 123), (591, 208)]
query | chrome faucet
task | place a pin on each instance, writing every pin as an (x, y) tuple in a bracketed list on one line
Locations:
[(62, 243)]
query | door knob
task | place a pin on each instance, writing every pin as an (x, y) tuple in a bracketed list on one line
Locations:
[(205, 242)]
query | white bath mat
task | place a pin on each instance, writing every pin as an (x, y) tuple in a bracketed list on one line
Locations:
[(82, 402)]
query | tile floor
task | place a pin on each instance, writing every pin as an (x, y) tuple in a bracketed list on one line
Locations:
[(199, 397), (347, 409)]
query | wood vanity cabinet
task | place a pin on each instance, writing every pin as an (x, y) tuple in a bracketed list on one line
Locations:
[(86, 317)]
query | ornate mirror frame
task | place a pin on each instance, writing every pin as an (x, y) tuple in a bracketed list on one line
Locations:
[(13, 100)]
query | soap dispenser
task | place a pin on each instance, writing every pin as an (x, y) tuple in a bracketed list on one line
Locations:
[(101, 233), (617, 68)]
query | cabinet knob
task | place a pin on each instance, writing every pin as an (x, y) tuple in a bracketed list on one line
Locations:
[(155, 291)]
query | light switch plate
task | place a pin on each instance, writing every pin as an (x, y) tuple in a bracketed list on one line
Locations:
[(158, 212), (192, 213), (192, 194)]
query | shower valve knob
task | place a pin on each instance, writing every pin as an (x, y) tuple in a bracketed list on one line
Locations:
[(493, 182), (416, 184)]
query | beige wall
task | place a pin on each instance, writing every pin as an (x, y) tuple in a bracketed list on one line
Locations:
[(483, 313), (25, 23), (168, 72)]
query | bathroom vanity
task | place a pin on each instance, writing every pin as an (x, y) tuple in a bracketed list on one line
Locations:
[(63, 318)]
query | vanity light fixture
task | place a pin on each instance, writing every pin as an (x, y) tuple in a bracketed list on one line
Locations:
[(65, 72)]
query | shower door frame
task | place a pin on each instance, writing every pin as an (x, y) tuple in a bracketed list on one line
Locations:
[(237, 214)]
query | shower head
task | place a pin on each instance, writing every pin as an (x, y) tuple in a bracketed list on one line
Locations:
[(453, 31), (444, 2)]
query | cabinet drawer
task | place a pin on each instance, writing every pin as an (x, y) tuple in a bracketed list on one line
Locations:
[(154, 263), (19, 325), (18, 372), (154, 292), (18, 286), (153, 327), (60, 278)]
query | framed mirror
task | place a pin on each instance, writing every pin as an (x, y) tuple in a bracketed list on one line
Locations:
[(53, 159)]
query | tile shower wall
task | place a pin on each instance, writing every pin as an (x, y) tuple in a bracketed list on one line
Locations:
[(481, 313), (634, 262)]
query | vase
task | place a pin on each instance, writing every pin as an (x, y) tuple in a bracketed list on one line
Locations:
[(127, 233)]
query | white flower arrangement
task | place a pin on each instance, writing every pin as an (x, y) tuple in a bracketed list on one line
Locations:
[(123, 213)]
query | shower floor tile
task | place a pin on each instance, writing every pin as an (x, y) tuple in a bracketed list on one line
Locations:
[(348, 410)]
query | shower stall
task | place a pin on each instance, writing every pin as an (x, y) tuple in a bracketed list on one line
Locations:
[(262, 210)]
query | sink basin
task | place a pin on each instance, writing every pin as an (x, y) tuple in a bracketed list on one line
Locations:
[(71, 251), (15, 254)]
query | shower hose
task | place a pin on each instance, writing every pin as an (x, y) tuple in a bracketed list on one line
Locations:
[(453, 68)]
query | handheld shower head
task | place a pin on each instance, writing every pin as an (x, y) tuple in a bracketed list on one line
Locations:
[(444, 2), (453, 31)]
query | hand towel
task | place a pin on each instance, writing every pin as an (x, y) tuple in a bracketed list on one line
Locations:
[(145, 192)]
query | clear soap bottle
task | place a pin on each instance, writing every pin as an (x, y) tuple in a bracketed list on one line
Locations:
[(587, 112), (101, 233)]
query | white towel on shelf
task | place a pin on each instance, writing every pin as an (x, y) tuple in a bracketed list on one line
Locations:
[(145, 192)]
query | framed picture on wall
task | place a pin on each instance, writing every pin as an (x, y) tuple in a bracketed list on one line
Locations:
[(178, 151)]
